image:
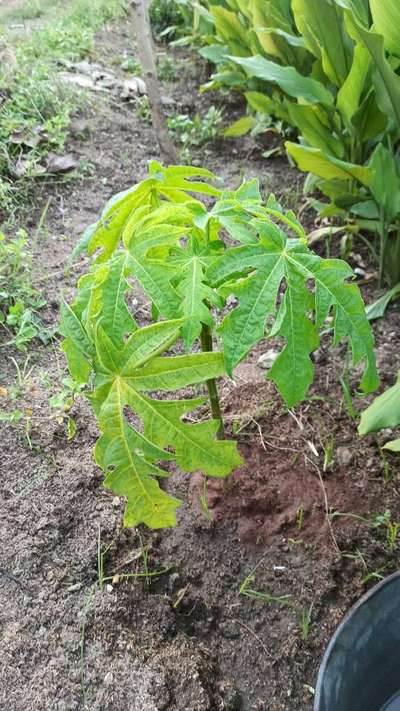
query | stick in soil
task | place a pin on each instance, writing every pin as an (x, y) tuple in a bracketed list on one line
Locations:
[(147, 61)]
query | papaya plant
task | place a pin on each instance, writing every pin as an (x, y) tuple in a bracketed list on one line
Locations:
[(187, 256)]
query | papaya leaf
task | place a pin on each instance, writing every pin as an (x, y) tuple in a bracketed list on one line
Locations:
[(257, 272), (122, 378)]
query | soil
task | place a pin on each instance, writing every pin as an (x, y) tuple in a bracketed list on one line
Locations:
[(189, 635)]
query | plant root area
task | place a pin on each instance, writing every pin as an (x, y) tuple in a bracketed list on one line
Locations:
[(233, 609)]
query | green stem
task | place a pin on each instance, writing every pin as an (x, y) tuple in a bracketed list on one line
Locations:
[(206, 346), (383, 247)]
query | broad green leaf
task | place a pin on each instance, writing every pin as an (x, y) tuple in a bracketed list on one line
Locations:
[(387, 82), (314, 126), (384, 411), (350, 92), (360, 8), (386, 19), (368, 121), (175, 372), (129, 473), (240, 127), (261, 102), (287, 78), (215, 53), (230, 30), (318, 162), (393, 446), (293, 370), (78, 365), (321, 24), (378, 308), (385, 184)]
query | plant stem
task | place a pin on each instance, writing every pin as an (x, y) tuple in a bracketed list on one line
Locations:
[(207, 345), (383, 247)]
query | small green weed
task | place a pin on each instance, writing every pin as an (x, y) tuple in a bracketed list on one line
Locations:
[(62, 401), (304, 615), (195, 132), (142, 108), (168, 68), (305, 621), (131, 65), (19, 300)]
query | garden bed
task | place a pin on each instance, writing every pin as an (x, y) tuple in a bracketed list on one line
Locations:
[(193, 636)]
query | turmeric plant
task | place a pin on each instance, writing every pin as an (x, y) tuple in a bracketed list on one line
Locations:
[(188, 256)]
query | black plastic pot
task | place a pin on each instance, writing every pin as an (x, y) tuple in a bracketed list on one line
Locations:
[(361, 667)]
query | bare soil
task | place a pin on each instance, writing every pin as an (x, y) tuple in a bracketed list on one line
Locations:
[(185, 639)]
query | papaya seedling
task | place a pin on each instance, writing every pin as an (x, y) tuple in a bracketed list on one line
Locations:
[(188, 256)]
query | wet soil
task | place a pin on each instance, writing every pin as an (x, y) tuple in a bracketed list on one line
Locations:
[(185, 632)]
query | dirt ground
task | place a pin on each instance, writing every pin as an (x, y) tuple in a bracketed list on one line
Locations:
[(185, 639)]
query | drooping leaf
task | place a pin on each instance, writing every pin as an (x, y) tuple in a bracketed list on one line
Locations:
[(393, 446), (287, 78), (240, 127), (384, 411), (318, 162), (378, 308)]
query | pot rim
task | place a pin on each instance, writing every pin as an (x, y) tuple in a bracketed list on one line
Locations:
[(347, 617)]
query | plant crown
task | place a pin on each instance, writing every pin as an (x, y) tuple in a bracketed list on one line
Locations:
[(188, 257)]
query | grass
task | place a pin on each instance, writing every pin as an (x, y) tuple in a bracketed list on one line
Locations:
[(36, 112)]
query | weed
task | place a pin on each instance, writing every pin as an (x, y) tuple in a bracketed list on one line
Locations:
[(167, 68), (142, 108), (383, 520), (131, 65), (195, 132), (19, 300), (300, 517), (62, 403), (286, 600), (375, 575), (392, 533), (388, 473), (248, 591), (328, 448), (347, 397), (305, 621), (203, 501)]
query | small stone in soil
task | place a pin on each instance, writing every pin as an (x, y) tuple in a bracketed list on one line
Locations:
[(267, 359)]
